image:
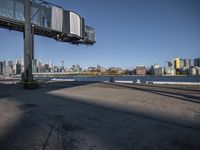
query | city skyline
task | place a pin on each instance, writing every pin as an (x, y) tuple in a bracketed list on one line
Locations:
[(62, 63), (68, 66), (177, 66), (141, 33)]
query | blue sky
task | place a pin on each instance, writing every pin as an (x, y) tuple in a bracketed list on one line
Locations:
[(128, 33)]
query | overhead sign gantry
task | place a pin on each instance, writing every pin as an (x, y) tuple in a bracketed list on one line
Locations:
[(45, 19), (48, 20)]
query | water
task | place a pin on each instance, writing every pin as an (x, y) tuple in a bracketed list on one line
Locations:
[(143, 79)]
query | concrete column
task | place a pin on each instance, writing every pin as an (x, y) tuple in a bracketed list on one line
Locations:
[(28, 43)]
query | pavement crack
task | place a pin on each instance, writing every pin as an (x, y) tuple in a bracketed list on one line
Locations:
[(48, 137)]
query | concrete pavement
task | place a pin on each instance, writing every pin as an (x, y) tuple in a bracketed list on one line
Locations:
[(99, 116)]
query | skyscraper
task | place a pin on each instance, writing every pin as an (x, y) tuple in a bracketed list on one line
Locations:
[(1, 68), (10, 63), (40, 68), (197, 62), (187, 63), (51, 66), (10, 67), (34, 65), (62, 68), (177, 63), (170, 64), (46, 68), (22, 65), (181, 63), (18, 68), (4, 67)]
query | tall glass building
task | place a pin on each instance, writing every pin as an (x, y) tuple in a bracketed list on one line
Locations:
[(197, 62)]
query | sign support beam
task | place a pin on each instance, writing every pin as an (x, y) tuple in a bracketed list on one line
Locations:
[(28, 43)]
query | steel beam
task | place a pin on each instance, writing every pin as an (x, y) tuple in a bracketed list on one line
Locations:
[(28, 43), (32, 36)]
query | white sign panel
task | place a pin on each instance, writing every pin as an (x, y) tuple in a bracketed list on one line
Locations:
[(57, 18), (75, 24)]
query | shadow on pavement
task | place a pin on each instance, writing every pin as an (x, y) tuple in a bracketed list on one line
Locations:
[(181, 87), (57, 122), (177, 95)]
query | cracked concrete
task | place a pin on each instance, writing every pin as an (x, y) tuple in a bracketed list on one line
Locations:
[(99, 116)]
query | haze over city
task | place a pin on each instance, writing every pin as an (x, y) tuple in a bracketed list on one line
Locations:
[(128, 33)]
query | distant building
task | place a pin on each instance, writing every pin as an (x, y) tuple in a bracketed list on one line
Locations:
[(181, 63), (187, 63), (197, 62), (40, 67), (56, 69), (153, 68), (10, 67), (22, 65), (100, 68), (197, 70), (170, 71), (51, 66), (34, 65), (91, 69), (158, 71), (170, 64), (62, 64), (177, 63), (193, 71), (1, 68), (46, 68), (151, 71), (10, 63), (140, 70), (76, 68), (4, 67), (114, 70), (18, 68)]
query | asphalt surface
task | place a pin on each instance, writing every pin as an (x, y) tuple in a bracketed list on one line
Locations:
[(99, 116)]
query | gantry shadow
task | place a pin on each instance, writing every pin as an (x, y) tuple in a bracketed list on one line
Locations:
[(4, 88), (176, 87), (177, 95)]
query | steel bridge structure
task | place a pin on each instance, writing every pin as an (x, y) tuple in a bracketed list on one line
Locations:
[(37, 17)]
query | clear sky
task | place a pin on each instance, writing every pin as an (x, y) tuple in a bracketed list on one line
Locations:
[(128, 33)]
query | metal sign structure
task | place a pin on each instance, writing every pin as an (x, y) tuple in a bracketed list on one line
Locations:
[(45, 19)]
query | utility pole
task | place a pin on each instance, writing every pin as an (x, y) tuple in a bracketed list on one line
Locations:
[(28, 43)]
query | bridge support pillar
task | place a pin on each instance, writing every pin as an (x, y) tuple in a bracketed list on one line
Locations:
[(28, 43)]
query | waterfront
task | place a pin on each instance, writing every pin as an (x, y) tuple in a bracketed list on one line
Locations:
[(99, 116), (131, 78), (143, 79)]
